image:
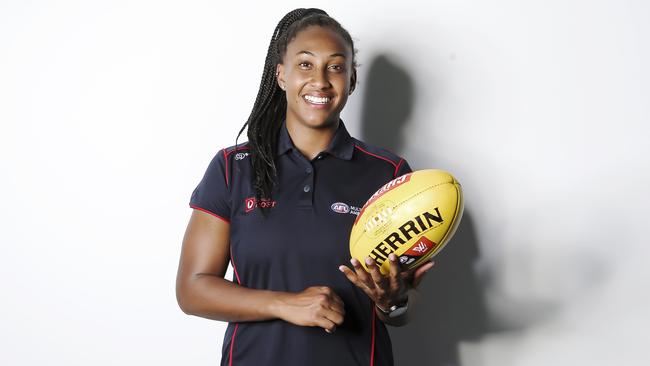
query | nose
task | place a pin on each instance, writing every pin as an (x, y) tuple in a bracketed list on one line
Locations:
[(320, 78)]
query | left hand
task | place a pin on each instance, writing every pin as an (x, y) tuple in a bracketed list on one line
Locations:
[(385, 291)]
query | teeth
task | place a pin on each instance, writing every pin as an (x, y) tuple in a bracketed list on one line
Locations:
[(317, 100)]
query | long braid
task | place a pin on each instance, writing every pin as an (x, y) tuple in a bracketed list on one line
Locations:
[(270, 105)]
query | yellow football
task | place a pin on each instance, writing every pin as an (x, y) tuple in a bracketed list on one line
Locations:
[(413, 216)]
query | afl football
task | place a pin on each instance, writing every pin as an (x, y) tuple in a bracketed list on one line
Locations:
[(414, 216)]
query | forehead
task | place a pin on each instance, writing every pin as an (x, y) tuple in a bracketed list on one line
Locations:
[(319, 41)]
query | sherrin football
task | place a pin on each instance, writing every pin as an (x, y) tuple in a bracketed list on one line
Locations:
[(413, 216)]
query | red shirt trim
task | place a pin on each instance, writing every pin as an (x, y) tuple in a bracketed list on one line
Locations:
[(209, 212), (377, 156)]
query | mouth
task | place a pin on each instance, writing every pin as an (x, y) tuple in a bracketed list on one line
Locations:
[(317, 100)]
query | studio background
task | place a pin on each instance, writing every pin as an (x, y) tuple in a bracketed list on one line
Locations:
[(110, 112)]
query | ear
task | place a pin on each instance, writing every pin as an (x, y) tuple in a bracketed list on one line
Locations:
[(279, 75), (353, 80)]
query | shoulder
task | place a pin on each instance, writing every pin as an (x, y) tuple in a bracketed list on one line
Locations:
[(227, 160), (380, 154), (233, 155), (235, 152)]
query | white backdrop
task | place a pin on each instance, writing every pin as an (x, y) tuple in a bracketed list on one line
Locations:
[(111, 110)]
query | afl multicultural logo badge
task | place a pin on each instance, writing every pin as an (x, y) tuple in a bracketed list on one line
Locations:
[(340, 207), (344, 208)]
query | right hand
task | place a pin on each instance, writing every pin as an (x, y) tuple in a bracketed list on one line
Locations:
[(316, 306)]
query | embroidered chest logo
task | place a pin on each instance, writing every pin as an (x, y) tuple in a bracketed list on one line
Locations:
[(344, 208), (252, 203)]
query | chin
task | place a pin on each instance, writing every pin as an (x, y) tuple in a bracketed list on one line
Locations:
[(321, 123)]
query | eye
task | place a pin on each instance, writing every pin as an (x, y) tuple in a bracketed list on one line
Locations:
[(304, 65), (336, 68)]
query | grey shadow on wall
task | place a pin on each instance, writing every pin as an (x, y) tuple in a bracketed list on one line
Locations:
[(387, 104), (452, 305)]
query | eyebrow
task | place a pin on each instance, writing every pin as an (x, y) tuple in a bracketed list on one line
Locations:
[(337, 54)]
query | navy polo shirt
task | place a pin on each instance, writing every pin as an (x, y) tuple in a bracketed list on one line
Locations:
[(301, 243)]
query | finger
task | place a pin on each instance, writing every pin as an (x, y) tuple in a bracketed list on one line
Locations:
[(333, 316), (336, 304), (338, 309), (351, 275), (420, 272), (362, 274), (328, 325), (330, 299), (338, 300), (394, 276), (354, 278), (407, 277), (375, 274)]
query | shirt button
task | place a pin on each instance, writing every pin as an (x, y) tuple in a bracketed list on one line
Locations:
[(306, 188), (308, 170)]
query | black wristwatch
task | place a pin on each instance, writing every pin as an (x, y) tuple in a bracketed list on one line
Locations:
[(395, 310)]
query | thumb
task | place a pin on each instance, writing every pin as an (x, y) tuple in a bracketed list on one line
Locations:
[(420, 272)]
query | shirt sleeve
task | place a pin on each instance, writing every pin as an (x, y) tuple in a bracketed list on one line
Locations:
[(212, 194), (403, 167)]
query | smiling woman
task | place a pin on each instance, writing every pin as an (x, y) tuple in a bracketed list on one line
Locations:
[(280, 208), (317, 75)]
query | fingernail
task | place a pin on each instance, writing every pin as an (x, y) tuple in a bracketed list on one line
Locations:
[(341, 268), (392, 257), (353, 262), (368, 261)]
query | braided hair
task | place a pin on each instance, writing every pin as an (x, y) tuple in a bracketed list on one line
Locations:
[(270, 105)]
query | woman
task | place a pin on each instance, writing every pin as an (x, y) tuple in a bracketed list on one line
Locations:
[(280, 208)]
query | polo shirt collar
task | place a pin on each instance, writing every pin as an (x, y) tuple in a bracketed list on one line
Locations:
[(341, 146)]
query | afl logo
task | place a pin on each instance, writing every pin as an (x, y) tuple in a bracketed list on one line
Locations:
[(340, 207)]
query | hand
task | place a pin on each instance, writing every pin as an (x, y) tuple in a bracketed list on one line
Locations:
[(413, 277), (385, 291), (316, 306)]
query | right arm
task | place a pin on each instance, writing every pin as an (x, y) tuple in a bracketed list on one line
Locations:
[(201, 289)]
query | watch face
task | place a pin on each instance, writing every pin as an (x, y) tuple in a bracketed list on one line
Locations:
[(396, 311)]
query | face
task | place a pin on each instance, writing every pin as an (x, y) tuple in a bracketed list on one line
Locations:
[(317, 76)]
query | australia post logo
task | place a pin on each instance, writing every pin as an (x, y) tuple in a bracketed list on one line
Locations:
[(252, 203)]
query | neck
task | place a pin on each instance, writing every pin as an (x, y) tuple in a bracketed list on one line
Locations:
[(311, 141)]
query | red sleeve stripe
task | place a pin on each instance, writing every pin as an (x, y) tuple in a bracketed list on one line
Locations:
[(225, 156), (377, 156), (232, 340), (209, 212), (397, 167), (234, 268), (238, 148), (372, 345)]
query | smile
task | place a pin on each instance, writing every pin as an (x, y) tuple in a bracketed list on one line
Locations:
[(317, 100)]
